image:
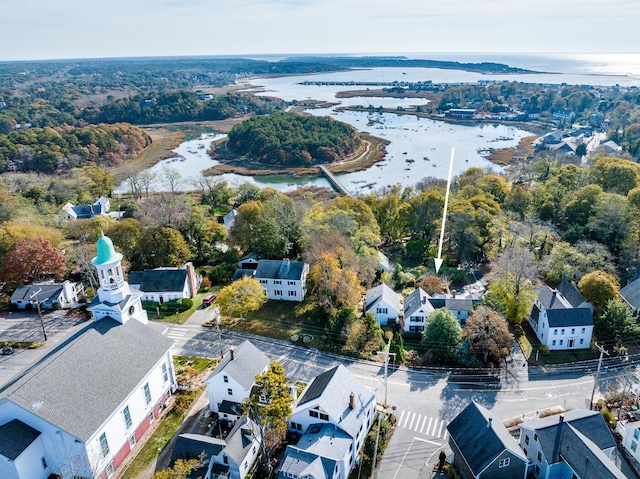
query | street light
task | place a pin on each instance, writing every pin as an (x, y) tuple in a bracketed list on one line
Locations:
[(217, 318), (44, 333)]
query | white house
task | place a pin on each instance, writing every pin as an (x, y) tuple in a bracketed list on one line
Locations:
[(85, 212), (576, 444), (384, 303), (461, 308), (49, 294), (557, 322), (233, 456), (166, 284), (283, 279), (630, 433), (231, 381), (417, 309), (82, 407), (333, 416)]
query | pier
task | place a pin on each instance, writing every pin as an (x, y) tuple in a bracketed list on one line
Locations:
[(339, 187)]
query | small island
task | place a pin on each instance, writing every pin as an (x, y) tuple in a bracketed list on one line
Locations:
[(290, 143)]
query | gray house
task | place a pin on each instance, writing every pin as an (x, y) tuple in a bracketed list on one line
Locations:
[(483, 448)]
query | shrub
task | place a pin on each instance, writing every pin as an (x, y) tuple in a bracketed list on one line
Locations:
[(187, 303), (205, 284)]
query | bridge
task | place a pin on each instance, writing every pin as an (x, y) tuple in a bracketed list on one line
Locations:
[(339, 187)]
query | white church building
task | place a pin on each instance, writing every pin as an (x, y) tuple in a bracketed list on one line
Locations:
[(79, 411)]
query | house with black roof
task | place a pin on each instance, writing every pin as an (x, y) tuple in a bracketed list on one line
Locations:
[(231, 381), (231, 457), (332, 417), (49, 294), (281, 279), (483, 448), (562, 318), (166, 284), (71, 212), (79, 410), (574, 445)]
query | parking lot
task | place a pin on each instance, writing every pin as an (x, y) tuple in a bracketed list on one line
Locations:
[(25, 326)]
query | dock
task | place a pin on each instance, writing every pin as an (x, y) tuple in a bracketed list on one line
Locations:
[(339, 187)]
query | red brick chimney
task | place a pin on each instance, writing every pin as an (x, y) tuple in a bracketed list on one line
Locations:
[(352, 401), (191, 278)]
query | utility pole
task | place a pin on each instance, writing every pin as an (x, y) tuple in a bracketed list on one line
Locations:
[(375, 448), (44, 333), (595, 383), (386, 364)]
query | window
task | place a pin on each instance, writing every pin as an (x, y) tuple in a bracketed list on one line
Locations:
[(537, 470), (44, 463), (561, 342), (581, 340), (132, 440), (504, 462), (553, 343), (230, 392), (562, 331), (225, 378), (293, 293), (127, 417), (535, 437), (147, 394), (417, 319), (225, 459), (539, 456), (381, 310), (277, 292), (263, 281), (525, 451), (291, 283), (636, 433), (109, 469), (151, 416), (104, 445), (165, 373), (573, 330), (583, 330), (313, 413), (416, 329), (634, 446), (324, 417), (555, 332), (526, 439)]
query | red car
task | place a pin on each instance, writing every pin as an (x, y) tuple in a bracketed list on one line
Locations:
[(209, 300)]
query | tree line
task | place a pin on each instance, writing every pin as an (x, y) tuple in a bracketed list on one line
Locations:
[(289, 139)]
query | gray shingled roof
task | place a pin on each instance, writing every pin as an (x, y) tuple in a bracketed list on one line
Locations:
[(15, 437), (332, 390), (480, 442), (453, 304), (304, 464), (279, 269), (81, 383), (413, 302), (571, 293), (240, 439), (550, 299), (385, 293), (631, 293), (47, 291), (249, 361), (326, 440), (578, 440), (589, 423), (560, 318), (159, 280), (241, 273)]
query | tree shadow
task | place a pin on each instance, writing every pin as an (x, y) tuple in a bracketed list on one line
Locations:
[(423, 379), (463, 387)]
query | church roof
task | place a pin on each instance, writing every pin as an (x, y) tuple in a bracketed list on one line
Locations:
[(106, 253), (79, 385)]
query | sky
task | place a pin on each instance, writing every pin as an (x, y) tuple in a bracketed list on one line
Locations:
[(57, 29)]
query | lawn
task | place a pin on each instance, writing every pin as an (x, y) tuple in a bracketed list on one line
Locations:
[(179, 318), (538, 355), (281, 320)]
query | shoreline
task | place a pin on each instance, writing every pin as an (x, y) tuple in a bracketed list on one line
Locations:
[(372, 151)]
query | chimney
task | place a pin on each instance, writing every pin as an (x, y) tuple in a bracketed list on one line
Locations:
[(191, 278), (233, 354), (489, 422), (352, 401), (453, 294)]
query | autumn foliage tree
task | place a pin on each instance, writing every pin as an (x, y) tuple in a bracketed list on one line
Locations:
[(598, 287), (32, 259), (488, 334), (334, 288), (241, 297)]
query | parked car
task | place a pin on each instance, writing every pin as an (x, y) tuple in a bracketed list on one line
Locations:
[(6, 350), (209, 300)]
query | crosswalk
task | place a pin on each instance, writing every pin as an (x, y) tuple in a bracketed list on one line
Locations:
[(176, 333), (423, 424)]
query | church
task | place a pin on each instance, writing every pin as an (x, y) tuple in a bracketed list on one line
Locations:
[(79, 411)]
